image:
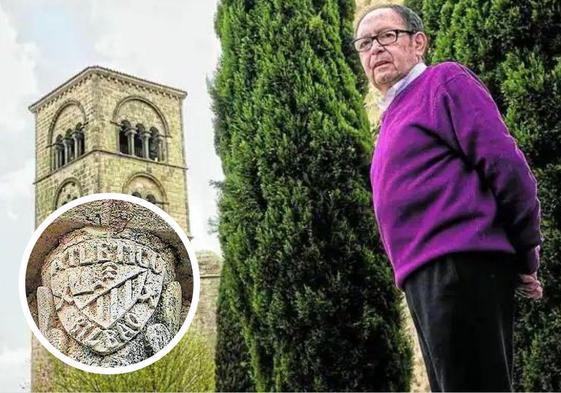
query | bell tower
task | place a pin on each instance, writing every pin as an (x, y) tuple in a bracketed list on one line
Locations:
[(106, 131)]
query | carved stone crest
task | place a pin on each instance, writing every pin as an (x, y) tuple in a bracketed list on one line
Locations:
[(105, 290), (111, 296)]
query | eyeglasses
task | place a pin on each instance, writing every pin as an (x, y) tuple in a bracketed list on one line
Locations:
[(384, 38)]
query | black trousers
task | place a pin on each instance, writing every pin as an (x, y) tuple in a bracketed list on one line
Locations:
[(462, 308)]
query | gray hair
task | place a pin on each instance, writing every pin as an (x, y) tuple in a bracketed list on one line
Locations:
[(410, 18)]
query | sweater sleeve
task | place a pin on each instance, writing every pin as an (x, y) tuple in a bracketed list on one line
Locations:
[(482, 138)]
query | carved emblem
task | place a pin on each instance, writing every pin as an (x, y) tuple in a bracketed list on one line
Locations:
[(109, 284), (105, 290)]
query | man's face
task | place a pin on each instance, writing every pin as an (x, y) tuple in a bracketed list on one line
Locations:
[(384, 66)]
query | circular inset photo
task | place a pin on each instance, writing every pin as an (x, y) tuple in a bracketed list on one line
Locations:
[(109, 283)]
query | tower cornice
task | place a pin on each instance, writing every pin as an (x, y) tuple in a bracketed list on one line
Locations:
[(106, 73)]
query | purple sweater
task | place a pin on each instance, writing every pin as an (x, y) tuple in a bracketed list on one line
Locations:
[(447, 176)]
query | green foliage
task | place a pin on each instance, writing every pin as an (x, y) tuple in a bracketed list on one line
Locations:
[(515, 47), (233, 364), (189, 367), (309, 292), (531, 89), (417, 6)]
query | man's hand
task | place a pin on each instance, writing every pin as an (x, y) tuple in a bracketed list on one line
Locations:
[(529, 286)]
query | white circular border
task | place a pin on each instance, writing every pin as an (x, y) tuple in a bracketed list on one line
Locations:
[(194, 268)]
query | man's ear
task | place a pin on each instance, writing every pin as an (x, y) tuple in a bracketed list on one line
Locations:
[(420, 41)]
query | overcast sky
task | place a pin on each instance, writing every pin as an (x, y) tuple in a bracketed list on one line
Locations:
[(45, 42)]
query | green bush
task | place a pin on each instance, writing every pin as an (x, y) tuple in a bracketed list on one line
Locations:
[(310, 292), (233, 363), (189, 367)]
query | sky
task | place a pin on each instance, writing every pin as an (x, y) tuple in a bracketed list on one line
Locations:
[(45, 42)]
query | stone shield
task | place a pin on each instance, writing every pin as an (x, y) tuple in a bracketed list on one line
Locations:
[(105, 290), (109, 284)]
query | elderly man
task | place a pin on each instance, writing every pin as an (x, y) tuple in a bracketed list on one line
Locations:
[(455, 201)]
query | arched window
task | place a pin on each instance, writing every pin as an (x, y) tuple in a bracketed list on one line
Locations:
[(138, 139), (125, 134), (68, 147), (58, 152), (79, 140), (148, 188), (156, 145), (68, 192), (150, 198), (68, 198), (68, 142)]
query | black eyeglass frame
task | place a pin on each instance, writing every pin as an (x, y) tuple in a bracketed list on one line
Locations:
[(375, 37)]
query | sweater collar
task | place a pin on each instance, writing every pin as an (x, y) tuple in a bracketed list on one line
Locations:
[(386, 100)]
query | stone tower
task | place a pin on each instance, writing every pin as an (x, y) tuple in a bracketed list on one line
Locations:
[(106, 131)]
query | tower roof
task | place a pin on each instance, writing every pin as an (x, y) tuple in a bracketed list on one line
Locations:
[(106, 72)]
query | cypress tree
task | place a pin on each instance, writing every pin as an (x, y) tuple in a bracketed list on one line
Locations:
[(515, 46), (233, 368), (532, 89), (307, 281)]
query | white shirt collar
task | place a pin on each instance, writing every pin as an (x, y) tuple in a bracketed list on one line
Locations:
[(386, 100)]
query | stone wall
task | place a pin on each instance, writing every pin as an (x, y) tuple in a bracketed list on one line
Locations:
[(210, 267)]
